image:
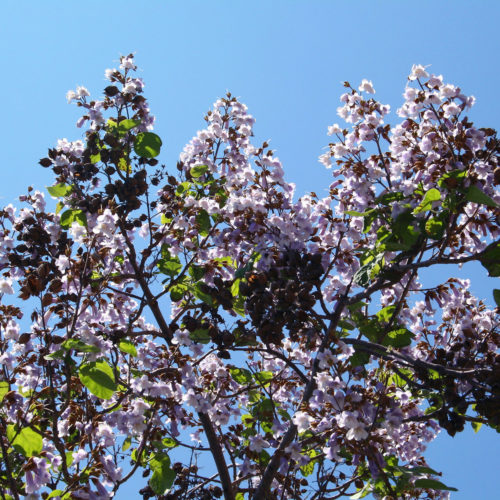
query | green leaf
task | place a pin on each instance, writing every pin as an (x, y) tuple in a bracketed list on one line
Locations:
[(369, 220), (241, 375), (345, 325), (163, 476), (476, 426), (490, 259), (235, 287), (284, 414), (264, 458), (26, 441), (359, 358), (241, 271), (452, 179), (169, 265), (95, 158), (60, 190), (59, 354), (264, 377), (418, 469), (111, 124), (203, 220), (177, 292), (429, 198), (362, 275), (4, 389), (366, 490), (196, 272), (370, 328), (124, 166), (136, 457), (239, 308), (401, 337), (267, 427), (239, 496), (496, 296), (182, 188), (367, 272), (128, 124), (198, 170), (169, 443), (476, 195), (388, 198), (70, 216), (308, 469), (200, 294), (126, 443), (147, 145), (127, 347), (247, 420), (98, 378), (432, 484), (405, 231), (434, 228), (79, 345), (359, 214), (200, 335), (263, 410), (55, 493), (385, 314)]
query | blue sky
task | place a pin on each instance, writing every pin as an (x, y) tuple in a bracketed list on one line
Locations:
[(286, 60)]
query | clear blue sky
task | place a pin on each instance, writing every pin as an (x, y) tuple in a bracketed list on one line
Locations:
[(285, 59)]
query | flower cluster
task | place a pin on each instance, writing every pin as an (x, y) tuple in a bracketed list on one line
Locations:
[(292, 346)]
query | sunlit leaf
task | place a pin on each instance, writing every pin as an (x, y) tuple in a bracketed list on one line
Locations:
[(55, 493), (434, 228), (400, 337), (432, 484), (126, 443), (200, 335), (182, 188), (241, 375), (128, 124), (147, 145), (203, 220), (60, 190), (98, 378), (476, 195), (198, 170), (430, 197), (264, 377), (25, 441), (70, 216), (365, 491), (496, 296), (79, 345), (476, 426), (4, 389), (490, 259), (452, 180), (127, 347), (163, 476)]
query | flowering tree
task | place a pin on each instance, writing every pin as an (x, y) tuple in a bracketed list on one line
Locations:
[(229, 340)]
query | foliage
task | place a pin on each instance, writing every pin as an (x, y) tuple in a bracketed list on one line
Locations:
[(227, 339)]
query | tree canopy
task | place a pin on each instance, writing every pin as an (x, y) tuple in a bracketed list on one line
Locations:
[(202, 325)]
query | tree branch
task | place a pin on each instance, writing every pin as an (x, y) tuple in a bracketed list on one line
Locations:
[(218, 455)]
